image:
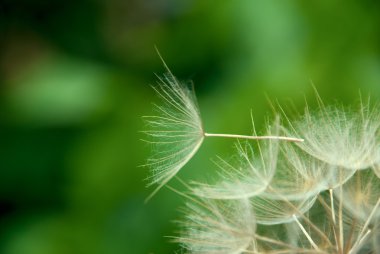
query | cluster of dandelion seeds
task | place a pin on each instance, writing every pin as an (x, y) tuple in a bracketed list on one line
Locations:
[(307, 186)]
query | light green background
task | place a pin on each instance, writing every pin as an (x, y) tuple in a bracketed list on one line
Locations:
[(75, 79)]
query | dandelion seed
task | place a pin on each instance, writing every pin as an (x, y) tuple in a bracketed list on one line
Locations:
[(360, 194), (218, 227), (346, 139), (176, 131), (297, 176)]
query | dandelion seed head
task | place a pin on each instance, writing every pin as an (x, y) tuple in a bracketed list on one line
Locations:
[(317, 196)]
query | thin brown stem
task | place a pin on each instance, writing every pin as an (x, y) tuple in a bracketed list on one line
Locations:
[(350, 237), (307, 220), (332, 205), (340, 216), (333, 226), (360, 236), (305, 233)]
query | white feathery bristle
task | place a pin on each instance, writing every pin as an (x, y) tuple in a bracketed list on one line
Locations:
[(343, 138), (176, 131), (269, 211), (360, 194), (223, 227), (298, 176)]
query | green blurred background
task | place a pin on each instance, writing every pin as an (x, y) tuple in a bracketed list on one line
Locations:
[(74, 83)]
